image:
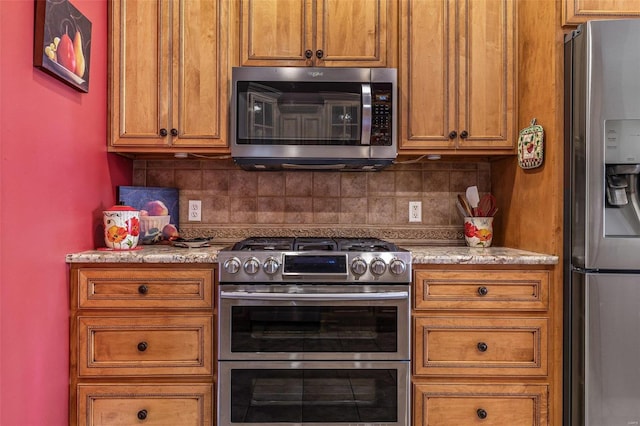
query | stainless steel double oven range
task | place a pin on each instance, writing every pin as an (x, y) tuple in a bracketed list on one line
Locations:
[(314, 331)]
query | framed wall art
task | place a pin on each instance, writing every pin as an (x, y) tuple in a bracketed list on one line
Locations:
[(158, 211), (62, 42)]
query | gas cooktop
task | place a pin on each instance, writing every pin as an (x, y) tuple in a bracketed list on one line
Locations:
[(314, 259), (313, 243)]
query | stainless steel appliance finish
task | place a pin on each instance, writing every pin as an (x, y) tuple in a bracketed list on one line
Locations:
[(602, 224), (286, 393), (314, 331), (313, 118), (296, 260)]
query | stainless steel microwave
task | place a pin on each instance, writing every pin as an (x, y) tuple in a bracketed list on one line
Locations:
[(313, 118)]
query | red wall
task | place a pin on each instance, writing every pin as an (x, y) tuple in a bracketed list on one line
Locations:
[(55, 179)]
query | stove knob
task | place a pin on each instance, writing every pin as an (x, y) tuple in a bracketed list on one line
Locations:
[(232, 265), (251, 266), (378, 266), (271, 266), (358, 266), (397, 267)]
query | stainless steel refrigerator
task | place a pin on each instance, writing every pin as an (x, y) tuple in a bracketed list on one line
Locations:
[(602, 224)]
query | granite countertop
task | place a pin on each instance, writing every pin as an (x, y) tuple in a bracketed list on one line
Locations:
[(421, 255)]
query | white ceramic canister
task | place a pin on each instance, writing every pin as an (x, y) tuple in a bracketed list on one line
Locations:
[(121, 227), (478, 231)]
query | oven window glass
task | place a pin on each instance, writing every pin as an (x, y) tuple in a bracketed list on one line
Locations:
[(314, 395), (299, 113), (314, 329)]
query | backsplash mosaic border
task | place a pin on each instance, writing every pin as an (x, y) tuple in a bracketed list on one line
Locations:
[(431, 236)]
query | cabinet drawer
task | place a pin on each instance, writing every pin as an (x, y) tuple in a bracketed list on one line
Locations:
[(495, 405), (482, 289), (135, 346), (480, 346), (112, 404), (144, 288)]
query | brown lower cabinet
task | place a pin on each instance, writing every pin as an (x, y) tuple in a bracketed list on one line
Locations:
[(142, 345), (481, 346)]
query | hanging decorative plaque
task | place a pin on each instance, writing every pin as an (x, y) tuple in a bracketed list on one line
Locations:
[(531, 146)]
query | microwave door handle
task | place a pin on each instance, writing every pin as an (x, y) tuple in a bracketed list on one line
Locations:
[(391, 295), (366, 114)]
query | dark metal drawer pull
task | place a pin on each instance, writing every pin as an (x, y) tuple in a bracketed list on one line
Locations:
[(482, 347), (482, 414), (483, 291), (142, 346), (142, 414), (143, 289)]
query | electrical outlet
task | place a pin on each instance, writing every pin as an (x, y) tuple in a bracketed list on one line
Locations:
[(195, 211), (415, 211)]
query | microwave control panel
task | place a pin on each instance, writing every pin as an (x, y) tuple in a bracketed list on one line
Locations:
[(381, 120)]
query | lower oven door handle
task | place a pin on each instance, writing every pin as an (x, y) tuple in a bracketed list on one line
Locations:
[(314, 296)]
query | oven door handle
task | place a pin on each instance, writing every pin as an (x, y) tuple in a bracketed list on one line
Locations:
[(314, 296)]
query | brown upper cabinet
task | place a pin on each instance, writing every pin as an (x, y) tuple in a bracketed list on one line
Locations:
[(575, 12), (168, 75), (457, 76), (327, 33)]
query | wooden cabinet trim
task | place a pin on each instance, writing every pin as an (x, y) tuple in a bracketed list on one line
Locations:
[(102, 342), (280, 33), (438, 38), (513, 290), (463, 400), (529, 359), (164, 404), (115, 288), (576, 12)]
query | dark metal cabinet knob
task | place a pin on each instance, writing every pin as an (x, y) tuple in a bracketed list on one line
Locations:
[(142, 346), (453, 134), (482, 347), (142, 414), (174, 132), (483, 291), (319, 54), (464, 134), (308, 54), (163, 132), (143, 289), (482, 414)]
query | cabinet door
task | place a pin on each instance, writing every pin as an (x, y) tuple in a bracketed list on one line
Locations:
[(139, 73), (482, 289), (276, 32), (427, 62), (144, 404), (487, 74), (575, 12), (115, 288), (487, 405), (168, 345), (167, 75), (457, 73), (480, 346), (314, 33), (199, 101), (352, 33)]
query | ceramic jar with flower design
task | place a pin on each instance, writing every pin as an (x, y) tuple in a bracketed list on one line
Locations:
[(478, 231), (121, 227)]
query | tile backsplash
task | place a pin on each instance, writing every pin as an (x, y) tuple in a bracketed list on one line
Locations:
[(238, 203)]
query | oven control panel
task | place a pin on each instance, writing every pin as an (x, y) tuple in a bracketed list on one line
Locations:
[(310, 266)]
